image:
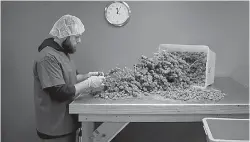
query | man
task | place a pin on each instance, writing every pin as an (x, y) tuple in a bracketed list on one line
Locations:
[(57, 82)]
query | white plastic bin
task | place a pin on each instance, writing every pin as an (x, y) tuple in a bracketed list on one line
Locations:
[(211, 57), (226, 129)]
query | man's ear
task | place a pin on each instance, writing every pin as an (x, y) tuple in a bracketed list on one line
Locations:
[(68, 37), (59, 39)]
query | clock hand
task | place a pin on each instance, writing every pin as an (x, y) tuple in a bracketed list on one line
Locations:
[(117, 10)]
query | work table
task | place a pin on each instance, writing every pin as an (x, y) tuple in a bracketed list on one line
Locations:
[(120, 112), (236, 101)]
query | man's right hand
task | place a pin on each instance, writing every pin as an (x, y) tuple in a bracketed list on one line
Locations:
[(94, 83)]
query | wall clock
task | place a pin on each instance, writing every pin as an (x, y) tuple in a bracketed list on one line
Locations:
[(117, 13)]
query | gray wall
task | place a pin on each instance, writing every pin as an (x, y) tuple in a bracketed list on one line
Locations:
[(223, 26)]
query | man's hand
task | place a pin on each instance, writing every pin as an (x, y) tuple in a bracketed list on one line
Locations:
[(82, 77), (95, 74)]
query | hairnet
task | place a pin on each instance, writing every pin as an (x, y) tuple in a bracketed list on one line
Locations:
[(67, 25)]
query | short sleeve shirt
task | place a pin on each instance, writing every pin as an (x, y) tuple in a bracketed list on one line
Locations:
[(53, 68)]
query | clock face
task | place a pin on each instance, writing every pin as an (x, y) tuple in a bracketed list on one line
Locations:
[(117, 13)]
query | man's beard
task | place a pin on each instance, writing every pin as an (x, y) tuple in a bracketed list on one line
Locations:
[(68, 47)]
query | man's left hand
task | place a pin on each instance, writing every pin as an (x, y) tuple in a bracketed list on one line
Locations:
[(95, 74)]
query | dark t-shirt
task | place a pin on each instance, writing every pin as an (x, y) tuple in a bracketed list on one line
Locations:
[(52, 68)]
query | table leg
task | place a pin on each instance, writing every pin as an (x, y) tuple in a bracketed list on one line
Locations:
[(87, 130)]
